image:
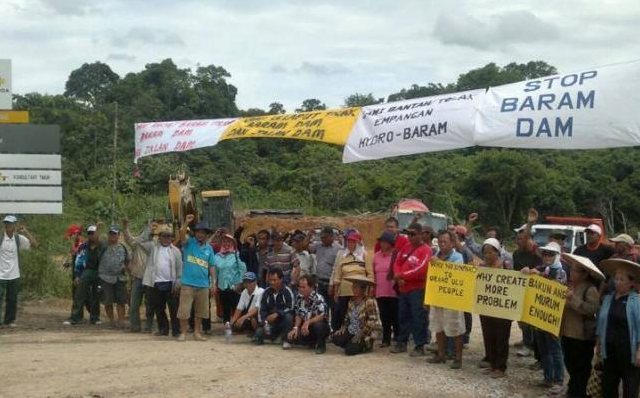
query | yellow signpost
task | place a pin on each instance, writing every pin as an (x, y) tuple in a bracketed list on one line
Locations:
[(14, 117)]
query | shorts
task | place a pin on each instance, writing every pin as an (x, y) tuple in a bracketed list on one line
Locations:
[(199, 297), (114, 293), (448, 321)]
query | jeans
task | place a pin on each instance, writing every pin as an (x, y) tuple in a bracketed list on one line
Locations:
[(9, 293), (279, 328), (550, 356), (137, 292), (160, 297), (413, 318), (318, 332), (87, 290)]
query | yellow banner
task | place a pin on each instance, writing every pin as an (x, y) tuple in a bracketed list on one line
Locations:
[(543, 304), (500, 293), (14, 117), (332, 126), (450, 285)]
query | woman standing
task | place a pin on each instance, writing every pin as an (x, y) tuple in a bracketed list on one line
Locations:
[(361, 318), (350, 262), (495, 331), (578, 322), (229, 272), (386, 296), (619, 330)]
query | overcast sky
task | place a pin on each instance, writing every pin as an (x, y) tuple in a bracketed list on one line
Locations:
[(288, 51)]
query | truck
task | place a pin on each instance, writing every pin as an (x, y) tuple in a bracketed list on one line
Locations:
[(406, 209)]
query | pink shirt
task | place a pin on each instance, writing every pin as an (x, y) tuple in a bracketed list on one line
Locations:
[(384, 287)]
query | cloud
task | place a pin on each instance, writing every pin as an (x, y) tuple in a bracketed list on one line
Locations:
[(499, 31), (308, 68), (121, 57), (69, 7), (148, 36)]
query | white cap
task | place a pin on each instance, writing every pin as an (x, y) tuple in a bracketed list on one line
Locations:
[(493, 242), (92, 228), (10, 219), (552, 247), (624, 238), (595, 228)]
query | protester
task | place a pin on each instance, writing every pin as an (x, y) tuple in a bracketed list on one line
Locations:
[(229, 272), (326, 251), (356, 333), (526, 256), (428, 237), (577, 329), (305, 259), (491, 232), (310, 326), (137, 268), (467, 257), (391, 225), (162, 278), (495, 331), (282, 257), (410, 273), (245, 317), (276, 310), (198, 277), (386, 296), (594, 249), (618, 330), (74, 235), (444, 322), (547, 344), (114, 261), (247, 250), (624, 248), (86, 280), (349, 262), (11, 243), (262, 252)]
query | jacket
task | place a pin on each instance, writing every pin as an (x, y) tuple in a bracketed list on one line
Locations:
[(585, 302), (412, 268), (139, 256), (151, 248), (281, 303), (633, 318)]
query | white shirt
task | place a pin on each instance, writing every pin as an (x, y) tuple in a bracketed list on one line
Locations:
[(163, 271), (245, 297), (9, 267)]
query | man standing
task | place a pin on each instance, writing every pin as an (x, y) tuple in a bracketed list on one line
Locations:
[(10, 245), (262, 252), (410, 272), (137, 268), (326, 252), (198, 278), (245, 318), (276, 310), (491, 232), (624, 248), (86, 279), (444, 322), (114, 261), (305, 259), (282, 257), (392, 225), (594, 250), (161, 280), (310, 326)]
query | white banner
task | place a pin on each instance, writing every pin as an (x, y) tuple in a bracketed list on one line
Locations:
[(5, 84), (594, 108), (160, 137), (418, 125)]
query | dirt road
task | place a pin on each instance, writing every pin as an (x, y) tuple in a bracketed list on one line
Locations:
[(41, 358)]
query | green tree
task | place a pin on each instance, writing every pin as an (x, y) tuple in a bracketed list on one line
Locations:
[(310, 105), (276, 108), (91, 83), (361, 100)]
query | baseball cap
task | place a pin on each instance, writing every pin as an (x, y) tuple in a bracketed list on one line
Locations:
[(552, 247), (92, 228), (10, 219), (114, 229), (595, 228), (415, 227), (493, 242), (249, 277), (624, 238), (298, 237), (388, 236)]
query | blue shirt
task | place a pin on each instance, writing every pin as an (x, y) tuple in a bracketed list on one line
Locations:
[(454, 257), (229, 270), (197, 260)]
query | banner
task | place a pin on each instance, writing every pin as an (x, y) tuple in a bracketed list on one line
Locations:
[(593, 108), (419, 125), (161, 137), (543, 304), (332, 126), (5, 85), (450, 285), (500, 293)]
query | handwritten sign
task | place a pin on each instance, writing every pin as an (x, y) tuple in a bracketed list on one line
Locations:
[(543, 304), (500, 293), (451, 285)]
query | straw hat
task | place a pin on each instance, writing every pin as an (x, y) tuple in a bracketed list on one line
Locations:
[(360, 278), (585, 263), (611, 265)]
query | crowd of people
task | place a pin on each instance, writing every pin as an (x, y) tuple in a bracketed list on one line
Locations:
[(296, 291)]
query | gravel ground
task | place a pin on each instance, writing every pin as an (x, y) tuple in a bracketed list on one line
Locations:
[(41, 358)]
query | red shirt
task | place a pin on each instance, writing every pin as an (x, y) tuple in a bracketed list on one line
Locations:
[(401, 241), (412, 268)]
